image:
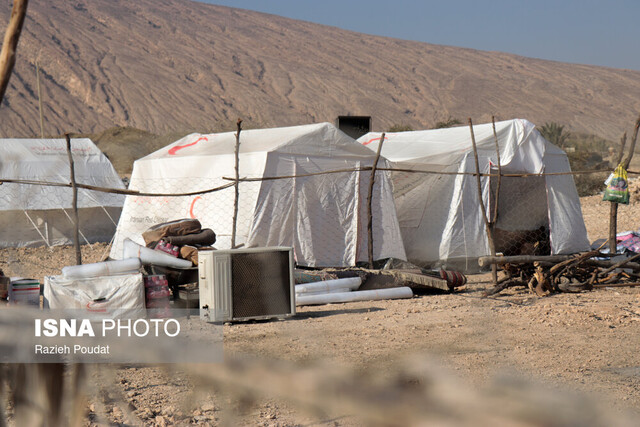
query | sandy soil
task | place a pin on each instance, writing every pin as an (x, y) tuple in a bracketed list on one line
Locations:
[(584, 343)]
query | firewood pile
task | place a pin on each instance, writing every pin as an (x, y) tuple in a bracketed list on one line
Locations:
[(577, 273)]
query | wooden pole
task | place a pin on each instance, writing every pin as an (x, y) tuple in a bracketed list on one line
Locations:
[(10, 44), (495, 211), (236, 185), (40, 100), (76, 222), (369, 201), (492, 247), (613, 216), (613, 213)]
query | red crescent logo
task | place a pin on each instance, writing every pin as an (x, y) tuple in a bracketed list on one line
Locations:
[(191, 208), (374, 139), (175, 149)]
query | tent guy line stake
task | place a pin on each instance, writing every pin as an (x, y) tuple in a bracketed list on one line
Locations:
[(46, 240), (79, 231)]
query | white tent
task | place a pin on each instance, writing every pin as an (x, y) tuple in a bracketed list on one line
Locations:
[(34, 215), (440, 217), (322, 216)]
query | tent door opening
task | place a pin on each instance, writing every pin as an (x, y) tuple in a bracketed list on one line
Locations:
[(522, 225)]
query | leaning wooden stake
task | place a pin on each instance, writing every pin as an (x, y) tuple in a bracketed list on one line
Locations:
[(76, 222), (369, 201), (613, 216), (236, 186), (492, 247), (11, 37)]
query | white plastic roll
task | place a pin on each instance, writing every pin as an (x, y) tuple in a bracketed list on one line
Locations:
[(372, 295), (98, 269), (325, 286), (331, 291), (149, 256)]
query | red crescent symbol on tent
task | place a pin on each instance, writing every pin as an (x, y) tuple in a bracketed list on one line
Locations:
[(174, 150), (374, 139), (191, 208)]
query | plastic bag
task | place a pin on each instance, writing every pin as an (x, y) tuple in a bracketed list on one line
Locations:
[(617, 189)]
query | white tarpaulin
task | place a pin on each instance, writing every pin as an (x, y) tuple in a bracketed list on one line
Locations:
[(322, 216), (440, 216), (35, 214)]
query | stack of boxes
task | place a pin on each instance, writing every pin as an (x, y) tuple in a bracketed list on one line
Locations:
[(25, 292)]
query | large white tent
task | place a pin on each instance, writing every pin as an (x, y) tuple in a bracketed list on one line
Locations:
[(439, 212), (34, 215), (322, 216)]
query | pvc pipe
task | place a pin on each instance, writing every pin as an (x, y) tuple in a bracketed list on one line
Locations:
[(325, 286), (149, 256), (331, 291), (106, 268), (372, 295)]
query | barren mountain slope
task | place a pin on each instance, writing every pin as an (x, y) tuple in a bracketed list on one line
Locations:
[(163, 65)]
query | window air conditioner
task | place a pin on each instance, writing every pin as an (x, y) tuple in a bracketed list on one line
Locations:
[(243, 284)]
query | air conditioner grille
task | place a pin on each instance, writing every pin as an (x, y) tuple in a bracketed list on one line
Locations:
[(261, 284)]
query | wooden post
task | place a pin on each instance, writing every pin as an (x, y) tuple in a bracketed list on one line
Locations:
[(10, 44), (495, 211), (76, 222), (40, 100), (613, 217), (236, 186), (369, 201), (492, 247), (613, 214)]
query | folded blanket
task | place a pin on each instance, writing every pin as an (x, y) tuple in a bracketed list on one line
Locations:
[(206, 237), (178, 227)]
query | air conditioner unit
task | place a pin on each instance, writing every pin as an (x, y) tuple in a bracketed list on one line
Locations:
[(243, 284)]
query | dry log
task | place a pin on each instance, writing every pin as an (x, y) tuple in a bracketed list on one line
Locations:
[(522, 259)]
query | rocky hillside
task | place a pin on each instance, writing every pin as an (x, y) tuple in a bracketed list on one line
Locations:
[(177, 65)]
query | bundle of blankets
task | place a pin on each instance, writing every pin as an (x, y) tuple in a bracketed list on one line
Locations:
[(181, 238)]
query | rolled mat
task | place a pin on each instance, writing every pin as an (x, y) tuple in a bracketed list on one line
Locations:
[(172, 228), (206, 237)]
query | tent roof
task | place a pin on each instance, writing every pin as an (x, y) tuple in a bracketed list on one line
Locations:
[(47, 149), (321, 139), (445, 146)]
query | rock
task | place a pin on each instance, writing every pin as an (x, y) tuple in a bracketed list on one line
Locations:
[(207, 407)]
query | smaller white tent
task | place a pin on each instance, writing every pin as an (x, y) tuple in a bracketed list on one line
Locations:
[(34, 215), (322, 216), (440, 217)]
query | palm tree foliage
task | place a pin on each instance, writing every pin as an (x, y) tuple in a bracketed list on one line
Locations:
[(554, 133)]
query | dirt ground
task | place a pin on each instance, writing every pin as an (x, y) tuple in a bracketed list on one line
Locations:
[(585, 344)]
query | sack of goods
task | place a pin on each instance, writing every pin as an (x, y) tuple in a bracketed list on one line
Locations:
[(106, 297)]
